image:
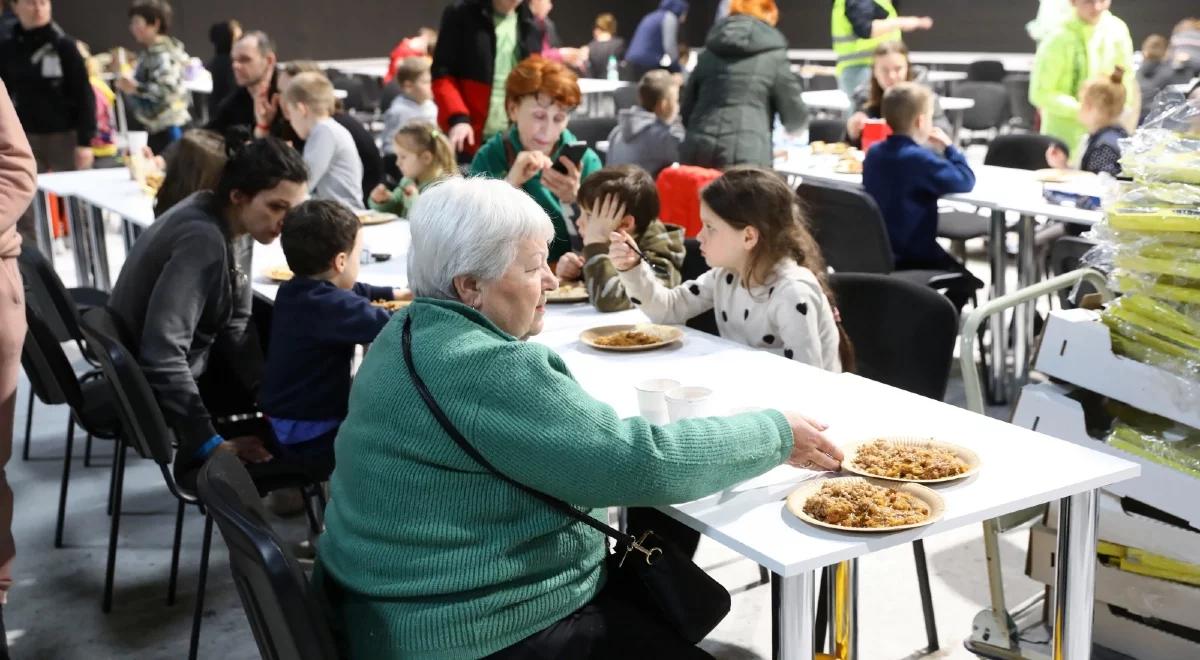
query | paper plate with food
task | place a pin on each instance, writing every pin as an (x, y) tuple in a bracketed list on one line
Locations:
[(1057, 175), (912, 459), (857, 504), (278, 273), (568, 292), (820, 148), (375, 217), (641, 337), (391, 305)]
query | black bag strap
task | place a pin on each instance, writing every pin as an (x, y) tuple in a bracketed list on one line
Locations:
[(626, 540)]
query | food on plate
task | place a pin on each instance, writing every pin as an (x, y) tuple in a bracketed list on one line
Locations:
[(848, 165), (279, 273), (628, 338), (375, 217), (906, 460), (568, 290), (829, 148), (850, 503), (391, 305)]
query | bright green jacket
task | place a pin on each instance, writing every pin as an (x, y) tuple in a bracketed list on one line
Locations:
[(492, 161), (847, 46), (1073, 55), (437, 558)]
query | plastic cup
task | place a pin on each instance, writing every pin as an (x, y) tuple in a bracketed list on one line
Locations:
[(652, 402), (688, 402), (136, 140)]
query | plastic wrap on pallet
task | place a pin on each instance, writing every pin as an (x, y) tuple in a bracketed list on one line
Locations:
[(1167, 147), (1175, 448), (1157, 332)]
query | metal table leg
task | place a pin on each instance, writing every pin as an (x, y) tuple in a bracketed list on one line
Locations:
[(843, 610), (99, 248), (1076, 575), (796, 616), (80, 243), (958, 122), (997, 378), (1023, 325)]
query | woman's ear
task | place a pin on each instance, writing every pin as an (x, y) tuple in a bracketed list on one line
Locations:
[(750, 237), (468, 290)]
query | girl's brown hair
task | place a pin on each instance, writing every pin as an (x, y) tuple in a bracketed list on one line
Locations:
[(1106, 94), (419, 137), (197, 164), (875, 98), (749, 196)]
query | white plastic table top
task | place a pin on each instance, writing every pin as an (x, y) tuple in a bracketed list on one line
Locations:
[(998, 188), (111, 189), (601, 85), (836, 99), (368, 66), (1013, 62), (1020, 468)]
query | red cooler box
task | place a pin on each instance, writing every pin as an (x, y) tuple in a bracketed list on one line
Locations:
[(679, 195)]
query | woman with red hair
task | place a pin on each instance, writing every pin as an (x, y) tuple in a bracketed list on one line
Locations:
[(539, 97)]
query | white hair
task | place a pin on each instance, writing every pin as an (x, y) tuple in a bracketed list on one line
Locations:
[(469, 227)]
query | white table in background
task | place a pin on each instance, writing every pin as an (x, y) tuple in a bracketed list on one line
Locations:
[(1013, 62), (999, 189), (835, 100), (374, 67), (1020, 468)]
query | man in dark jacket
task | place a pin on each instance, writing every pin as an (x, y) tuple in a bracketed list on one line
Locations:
[(255, 103), (48, 82), (655, 43), (469, 69), (222, 35)]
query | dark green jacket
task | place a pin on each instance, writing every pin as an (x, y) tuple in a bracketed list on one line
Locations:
[(743, 79)]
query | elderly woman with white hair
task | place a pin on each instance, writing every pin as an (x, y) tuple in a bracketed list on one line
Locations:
[(428, 554)]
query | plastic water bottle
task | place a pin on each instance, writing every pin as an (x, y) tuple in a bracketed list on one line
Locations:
[(613, 72)]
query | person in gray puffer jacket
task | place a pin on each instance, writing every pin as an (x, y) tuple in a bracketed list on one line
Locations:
[(742, 80), (648, 135)]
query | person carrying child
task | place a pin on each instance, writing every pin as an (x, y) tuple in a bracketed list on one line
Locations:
[(1101, 103), (424, 156), (624, 200), (320, 315), (335, 170)]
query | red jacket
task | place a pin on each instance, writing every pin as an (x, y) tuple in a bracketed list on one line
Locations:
[(464, 62), (402, 51)]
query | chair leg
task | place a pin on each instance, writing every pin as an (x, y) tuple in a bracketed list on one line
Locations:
[(313, 523), (200, 584), (764, 576), (28, 426), (87, 452), (118, 485), (931, 635), (62, 488), (112, 477), (175, 554)]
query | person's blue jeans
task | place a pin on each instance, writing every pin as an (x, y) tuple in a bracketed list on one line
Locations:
[(853, 77)]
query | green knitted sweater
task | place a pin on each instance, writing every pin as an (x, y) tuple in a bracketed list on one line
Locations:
[(437, 558)]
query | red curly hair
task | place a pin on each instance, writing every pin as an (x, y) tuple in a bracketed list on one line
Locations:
[(538, 75), (764, 10)]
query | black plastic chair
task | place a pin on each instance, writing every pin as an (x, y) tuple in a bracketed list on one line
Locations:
[(53, 380), (826, 130), (625, 97), (592, 129), (821, 83), (1024, 115), (903, 336), (986, 71), (990, 111), (59, 307), (284, 615), (1022, 151)]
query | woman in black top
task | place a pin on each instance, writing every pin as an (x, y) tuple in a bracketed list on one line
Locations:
[(605, 44)]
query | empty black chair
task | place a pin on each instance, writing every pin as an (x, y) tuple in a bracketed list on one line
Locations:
[(826, 130), (903, 336), (986, 71), (1022, 151), (1066, 255), (1024, 115), (694, 266), (625, 97), (53, 380), (821, 82), (990, 111), (284, 615), (592, 129)]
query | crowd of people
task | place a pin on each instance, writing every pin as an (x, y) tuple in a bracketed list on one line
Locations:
[(478, 153)]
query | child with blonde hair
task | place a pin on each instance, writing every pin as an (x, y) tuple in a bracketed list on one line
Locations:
[(335, 170), (1101, 104), (423, 155)]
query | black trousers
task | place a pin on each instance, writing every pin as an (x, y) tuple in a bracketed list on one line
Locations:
[(613, 625)]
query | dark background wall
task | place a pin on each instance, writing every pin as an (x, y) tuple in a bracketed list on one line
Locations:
[(329, 29)]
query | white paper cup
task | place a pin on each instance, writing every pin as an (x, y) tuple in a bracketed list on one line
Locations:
[(688, 402), (652, 402)]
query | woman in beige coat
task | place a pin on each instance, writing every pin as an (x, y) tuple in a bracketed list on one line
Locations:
[(17, 185)]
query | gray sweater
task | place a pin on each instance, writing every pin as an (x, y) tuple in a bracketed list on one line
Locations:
[(641, 138), (335, 170), (184, 289)]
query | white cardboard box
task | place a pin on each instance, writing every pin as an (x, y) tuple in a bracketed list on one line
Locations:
[(1136, 531), (1046, 408), (1077, 348), (1145, 596)]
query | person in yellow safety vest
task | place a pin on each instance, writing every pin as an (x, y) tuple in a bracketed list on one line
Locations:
[(1089, 45), (858, 26)]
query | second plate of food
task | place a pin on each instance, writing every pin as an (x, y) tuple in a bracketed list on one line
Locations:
[(375, 217), (568, 292), (641, 337), (912, 459), (857, 504)]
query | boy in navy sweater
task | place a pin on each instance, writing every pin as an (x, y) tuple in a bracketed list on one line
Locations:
[(320, 315), (909, 172)]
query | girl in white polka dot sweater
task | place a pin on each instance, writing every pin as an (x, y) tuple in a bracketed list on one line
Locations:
[(767, 283)]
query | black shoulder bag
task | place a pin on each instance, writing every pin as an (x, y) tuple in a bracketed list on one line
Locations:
[(685, 598)]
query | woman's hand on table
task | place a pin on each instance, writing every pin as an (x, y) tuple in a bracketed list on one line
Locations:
[(1056, 157), (570, 267), (854, 125), (525, 166), (811, 450), (564, 186), (620, 252)]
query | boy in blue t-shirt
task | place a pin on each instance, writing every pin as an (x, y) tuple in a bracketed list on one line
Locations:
[(320, 315)]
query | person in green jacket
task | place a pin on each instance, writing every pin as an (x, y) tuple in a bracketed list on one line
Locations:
[(157, 96), (424, 156), (426, 554), (1089, 45), (540, 95), (740, 83)]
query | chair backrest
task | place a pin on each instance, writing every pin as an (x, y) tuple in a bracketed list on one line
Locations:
[(694, 265), (48, 294), (986, 71), (679, 195), (1023, 151), (1019, 106), (625, 97), (592, 129), (991, 104), (849, 228), (284, 615), (49, 371), (903, 333), (821, 83), (1066, 255), (826, 130), (142, 423)]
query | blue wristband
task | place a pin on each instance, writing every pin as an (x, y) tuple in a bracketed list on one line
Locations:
[(208, 446)]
